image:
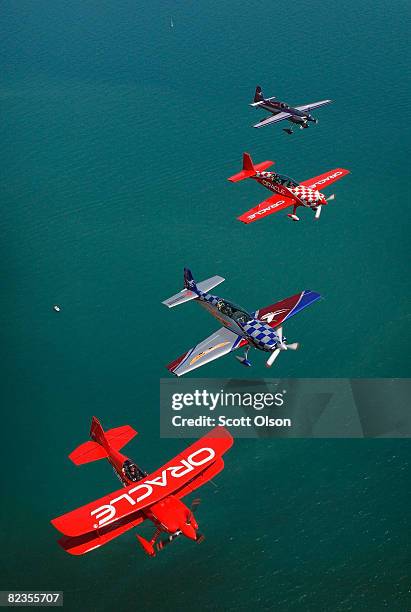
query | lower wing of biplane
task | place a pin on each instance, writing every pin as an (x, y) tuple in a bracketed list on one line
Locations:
[(225, 341), (100, 521)]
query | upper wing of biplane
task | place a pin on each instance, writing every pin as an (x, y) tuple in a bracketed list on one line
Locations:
[(269, 206), (274, 119), (323, 180), (102, 520), (310, 107), (218, 344)]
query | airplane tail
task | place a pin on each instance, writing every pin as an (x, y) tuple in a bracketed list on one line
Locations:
[(258, 96), (192, 289), (101, 442), (249, 168), (189, 282)]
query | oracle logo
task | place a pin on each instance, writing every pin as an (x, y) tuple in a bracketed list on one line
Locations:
[(281, 190), (107, 512), (258, 213), (324, 180)]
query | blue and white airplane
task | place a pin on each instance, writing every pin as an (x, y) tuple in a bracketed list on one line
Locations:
[(260, 329)]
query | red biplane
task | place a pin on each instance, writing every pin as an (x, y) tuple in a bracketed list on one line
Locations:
[(287, 191), (156, 497)]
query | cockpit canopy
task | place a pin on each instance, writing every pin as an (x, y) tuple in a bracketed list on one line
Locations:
[(233, 311), (132, 471), (286, 180)]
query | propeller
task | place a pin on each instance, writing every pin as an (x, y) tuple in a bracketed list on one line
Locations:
[(194, 505), (281, 346), (318, 209), (163, 543)]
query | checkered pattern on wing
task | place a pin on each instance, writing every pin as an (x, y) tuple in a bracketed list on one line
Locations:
[(261, 333), (305, 193)]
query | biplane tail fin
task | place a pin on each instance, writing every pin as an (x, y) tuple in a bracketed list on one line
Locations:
[(249, 168), (101, 442)]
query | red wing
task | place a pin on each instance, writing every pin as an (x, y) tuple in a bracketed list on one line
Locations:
[(89, 541), (265, 208), (277, 313), (206, 476), (130, 501), (323, 180)]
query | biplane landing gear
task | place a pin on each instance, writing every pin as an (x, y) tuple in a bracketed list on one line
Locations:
[(163, 543), (151, 546), (288, 130), (244, 360)]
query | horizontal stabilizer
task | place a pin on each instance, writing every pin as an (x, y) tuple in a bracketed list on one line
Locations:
[(262, 101), (249, 169), (87, 452), (93, 451), (120, 436), (186, 295), (240, 176)]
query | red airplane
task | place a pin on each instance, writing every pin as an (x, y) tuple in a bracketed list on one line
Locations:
[(287, 191), (156, 497)]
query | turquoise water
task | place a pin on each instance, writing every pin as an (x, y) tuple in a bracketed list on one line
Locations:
[(118, 135)]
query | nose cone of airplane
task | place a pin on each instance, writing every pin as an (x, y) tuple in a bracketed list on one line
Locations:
[(188, 531)]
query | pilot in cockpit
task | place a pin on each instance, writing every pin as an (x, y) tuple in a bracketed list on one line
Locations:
[(132, 472)]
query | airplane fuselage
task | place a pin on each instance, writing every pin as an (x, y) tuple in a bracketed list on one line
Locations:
[(297, 116), (303, 196), (170, 514), (256, 332)]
